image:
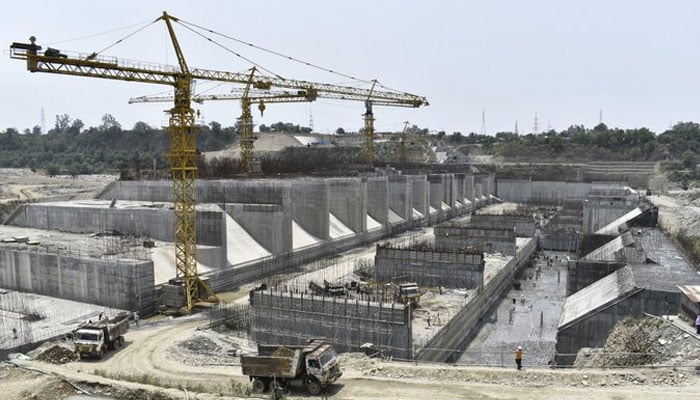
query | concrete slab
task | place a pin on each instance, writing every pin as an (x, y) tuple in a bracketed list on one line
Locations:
[(37, 318), (444, 206), (539, 300), (240, 246), (372, 224), (394, 218), (433, 210), (302, 238), (611, 228), (416, 214), (336, 229)]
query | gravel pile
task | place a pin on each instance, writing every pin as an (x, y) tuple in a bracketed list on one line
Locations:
[(642, 341)]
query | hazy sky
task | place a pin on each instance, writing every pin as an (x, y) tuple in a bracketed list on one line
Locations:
[(638, 61)]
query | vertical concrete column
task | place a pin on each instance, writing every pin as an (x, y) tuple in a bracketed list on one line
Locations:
[(400, 196), (310, 206), (437, 191), (469, 188), (449, 190), (459, 187), (477, 194), (420, 194), (347, 198), (378, 199)]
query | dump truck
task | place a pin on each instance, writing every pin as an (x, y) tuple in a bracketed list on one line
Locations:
[(405, 292), (93, 339), (313, 366)]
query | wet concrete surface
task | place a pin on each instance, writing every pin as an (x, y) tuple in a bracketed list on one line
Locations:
[(530, 321)]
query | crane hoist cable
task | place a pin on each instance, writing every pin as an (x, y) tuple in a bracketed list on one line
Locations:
[(98, 34)]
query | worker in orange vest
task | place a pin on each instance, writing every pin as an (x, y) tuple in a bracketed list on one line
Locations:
[(519, 357)]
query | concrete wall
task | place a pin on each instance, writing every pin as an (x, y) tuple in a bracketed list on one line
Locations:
[(120, 284), (269, 224), (558, 240), (287, 318), (469, 189), (546, 192), (600, 211), (378, 199), (420, 194), (400, 196), (437, 193), (446, 345), (524, 225), (155, 223), (582, 273), (593, 329), (347, 199), (263, 191), (310, 206), (497, 240), (449, 269), (450, 190)]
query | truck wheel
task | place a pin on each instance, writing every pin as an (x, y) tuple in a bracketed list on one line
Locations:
[(100, 353), (259, 386), (313, 387)]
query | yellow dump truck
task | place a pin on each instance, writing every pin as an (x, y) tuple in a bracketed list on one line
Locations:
[(313, 366)]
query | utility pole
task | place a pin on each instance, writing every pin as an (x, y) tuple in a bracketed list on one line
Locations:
[(483, 122), (536, 127)]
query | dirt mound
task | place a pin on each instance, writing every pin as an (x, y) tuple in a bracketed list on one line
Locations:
[(57, 354), (642, 341), (201, 345)]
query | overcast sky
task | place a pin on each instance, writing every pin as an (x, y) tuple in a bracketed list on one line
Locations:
[(638, 61)]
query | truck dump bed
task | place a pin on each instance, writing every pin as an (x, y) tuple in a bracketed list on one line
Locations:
[(282, 367)]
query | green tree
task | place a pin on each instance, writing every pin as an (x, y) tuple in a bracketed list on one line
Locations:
[(689, 160)]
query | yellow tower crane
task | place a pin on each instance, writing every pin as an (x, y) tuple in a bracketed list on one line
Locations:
[(181, 127), (247, 98)]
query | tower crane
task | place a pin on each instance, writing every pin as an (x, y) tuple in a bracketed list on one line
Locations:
[(304, 93), (182, 152), (247, 98)]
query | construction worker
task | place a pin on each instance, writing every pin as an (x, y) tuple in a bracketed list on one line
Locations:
[(519, 357), (697, 324)]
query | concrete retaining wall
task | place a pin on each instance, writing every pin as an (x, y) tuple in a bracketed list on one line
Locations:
[(310, 206), (155, 223), (593, 329), (378, 199), (497, 240), (449, 269), (120, 284), (269, 224), (524, 225), (347, 199), (546, 192), (286, 318), (400, 198), (600, 211), (582, 273), (558, 240), (446, 345)]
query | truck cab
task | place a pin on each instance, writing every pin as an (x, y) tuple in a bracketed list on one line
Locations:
[(89, 341)]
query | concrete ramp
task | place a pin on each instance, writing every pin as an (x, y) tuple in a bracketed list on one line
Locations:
[(416, 214), (445, 206), (458, 204), (394, 217), (433, 210), (606, 252), (611, 228), (336, 229), (164, 264), (240, 246), (302, 238), (372, 224)]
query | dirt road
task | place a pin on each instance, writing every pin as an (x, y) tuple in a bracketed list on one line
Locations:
[(149, 358)]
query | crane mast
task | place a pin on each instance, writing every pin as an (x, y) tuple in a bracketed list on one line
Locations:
[(182, 154)]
